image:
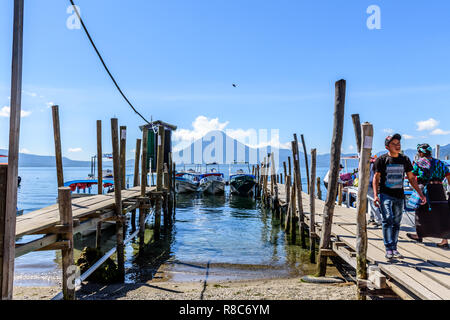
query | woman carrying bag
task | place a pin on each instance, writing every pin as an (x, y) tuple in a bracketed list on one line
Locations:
[(433, 218)]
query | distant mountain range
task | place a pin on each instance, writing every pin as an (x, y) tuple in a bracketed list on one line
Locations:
[(33, 160), (236, 152)]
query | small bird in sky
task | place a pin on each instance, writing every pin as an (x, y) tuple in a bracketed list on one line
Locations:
[(234, 85)]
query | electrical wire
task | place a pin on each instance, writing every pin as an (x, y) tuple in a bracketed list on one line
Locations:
[(104, 64)]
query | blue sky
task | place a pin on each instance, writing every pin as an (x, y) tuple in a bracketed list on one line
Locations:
[(176, 60)]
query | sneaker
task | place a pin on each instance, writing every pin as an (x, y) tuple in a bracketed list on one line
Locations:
[(397, 254), (389, 254)]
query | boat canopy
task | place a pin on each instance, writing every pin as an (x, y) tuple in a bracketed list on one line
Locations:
[(87, 183)]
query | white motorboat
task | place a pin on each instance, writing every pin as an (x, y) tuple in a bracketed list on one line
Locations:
[(213, 183), (186, 182)]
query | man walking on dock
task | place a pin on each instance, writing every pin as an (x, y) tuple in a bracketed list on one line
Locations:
[(390, 169)]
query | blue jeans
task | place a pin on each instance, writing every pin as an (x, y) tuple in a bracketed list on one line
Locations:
[(391, 211)]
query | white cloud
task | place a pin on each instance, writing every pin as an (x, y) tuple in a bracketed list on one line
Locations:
[(50, 104), (429, 124), (407, 136), (439, 132), (202, 125), (133, 151), (5, 112), (388, 131), (75, 150)]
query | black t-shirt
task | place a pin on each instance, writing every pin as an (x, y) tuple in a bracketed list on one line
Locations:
[(392, 172)]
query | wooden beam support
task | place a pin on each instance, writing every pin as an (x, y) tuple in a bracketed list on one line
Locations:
[(312, 209), (336, 145), (99, 158), (8, 219), (65, 212), (361, 208), (123, 154), (118, 198)]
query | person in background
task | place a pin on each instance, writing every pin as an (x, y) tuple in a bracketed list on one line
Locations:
[(390, 169), (375, 218), (325, 179), (431, 221)]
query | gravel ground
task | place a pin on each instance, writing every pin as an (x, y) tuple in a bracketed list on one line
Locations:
[(266, 289)]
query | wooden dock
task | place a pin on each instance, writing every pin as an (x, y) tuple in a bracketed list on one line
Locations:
[(424, 273), (87, 212)]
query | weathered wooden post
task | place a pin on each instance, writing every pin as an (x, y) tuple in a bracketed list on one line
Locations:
[(340, 195), (98, 235), (319, 190), (274, 185), (287, 218), (298, 186), (438, 151), (137, 155), (363, 186), (57, 138), (118, 198), (357, 128), (68, 267), (171, 186), (144, 166), (166, 196), (174, 189), (306, 158), (159, 180), (293, 216), (99, 158), (336, 145), (8, 216), (312, 209), (123, 153)]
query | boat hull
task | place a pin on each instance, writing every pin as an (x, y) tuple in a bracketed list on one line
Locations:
[(242, 184), (212, 185), (185, 186)]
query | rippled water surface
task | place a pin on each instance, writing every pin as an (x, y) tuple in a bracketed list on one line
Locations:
[(226, 237)]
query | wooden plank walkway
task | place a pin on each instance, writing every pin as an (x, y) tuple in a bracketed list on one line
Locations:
[(37, 222), (425, 270)]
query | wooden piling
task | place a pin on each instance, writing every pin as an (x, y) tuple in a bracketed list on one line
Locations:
[(8, 227), (340, 195), (298, 187), (306, 158), (293, 216), (361, 208), (319, 190), (144, 168), (137, 155), (166, 196), (438, 151), (123, 154), (118, 198), (357, 128), (68, 267), (336, 145), (312, 209), (159, 180), (98, 233), (99, 158), (287, 218), (57, 138)]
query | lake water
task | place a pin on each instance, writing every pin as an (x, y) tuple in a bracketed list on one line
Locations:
[(231, 236)]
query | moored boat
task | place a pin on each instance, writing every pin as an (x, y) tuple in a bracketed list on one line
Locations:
[(242, 183), (186, 182), (213, 183)]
